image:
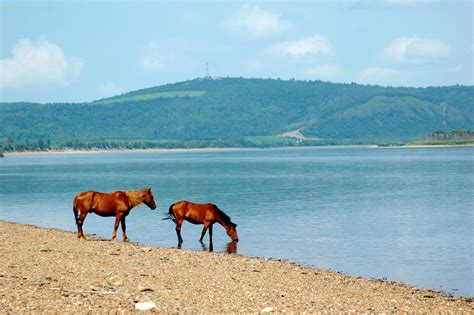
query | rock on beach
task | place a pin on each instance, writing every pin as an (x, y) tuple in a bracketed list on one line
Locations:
[(51, 271)]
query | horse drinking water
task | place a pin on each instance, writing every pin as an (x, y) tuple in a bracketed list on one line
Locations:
[(206, 214), (117, 203)]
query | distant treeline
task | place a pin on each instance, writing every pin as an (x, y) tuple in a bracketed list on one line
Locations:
[(252, 142), (450, 135), (238, 112), (453, 137)]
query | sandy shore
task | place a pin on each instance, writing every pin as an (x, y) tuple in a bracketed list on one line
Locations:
[(68, 151), (47, 270), (117, 151)]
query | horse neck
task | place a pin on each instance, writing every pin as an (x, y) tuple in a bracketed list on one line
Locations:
[(222, 222), (135, 197)]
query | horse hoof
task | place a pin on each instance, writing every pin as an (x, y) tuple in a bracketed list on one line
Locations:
[(126, 240)]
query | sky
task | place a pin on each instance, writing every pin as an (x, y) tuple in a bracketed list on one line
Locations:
[(77, 51)]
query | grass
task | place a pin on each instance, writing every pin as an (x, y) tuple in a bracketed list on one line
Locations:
[(443, 142), (146, 97)]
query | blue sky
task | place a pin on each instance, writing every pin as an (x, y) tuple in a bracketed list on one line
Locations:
[(71, 51)]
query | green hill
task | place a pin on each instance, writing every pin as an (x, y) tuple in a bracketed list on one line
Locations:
[(241, 112), (149, 96)]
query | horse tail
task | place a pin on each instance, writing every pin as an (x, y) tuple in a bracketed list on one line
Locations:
[(170, 214), (75, 209)]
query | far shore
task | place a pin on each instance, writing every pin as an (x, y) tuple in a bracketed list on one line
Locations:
[(46, 270), (421, 146), (94, 151)]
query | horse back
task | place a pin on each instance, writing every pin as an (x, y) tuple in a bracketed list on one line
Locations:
[(194, 212), (102, 202)]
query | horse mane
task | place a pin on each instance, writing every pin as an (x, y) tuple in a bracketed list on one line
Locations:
[(224, 217), (135, 197)]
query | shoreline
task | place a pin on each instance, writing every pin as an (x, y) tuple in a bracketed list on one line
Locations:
[(49, 270), (164, 150), (421, 146), (98, 151)]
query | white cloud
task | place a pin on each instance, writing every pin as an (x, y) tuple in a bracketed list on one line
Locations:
[(37, 63), (109, 89), (416, 50), (257, 22), (313, 45), (151, 59), (325, 71)]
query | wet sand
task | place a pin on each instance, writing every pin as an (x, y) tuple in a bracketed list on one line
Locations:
[(47, 270)]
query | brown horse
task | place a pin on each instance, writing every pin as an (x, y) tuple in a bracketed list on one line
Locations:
[(116, 204), (206, 214)]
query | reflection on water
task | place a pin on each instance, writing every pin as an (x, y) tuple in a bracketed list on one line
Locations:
[(205, 248), (230, 248), (403, 214)]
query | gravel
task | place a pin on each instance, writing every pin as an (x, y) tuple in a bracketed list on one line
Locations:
[(51, 271)]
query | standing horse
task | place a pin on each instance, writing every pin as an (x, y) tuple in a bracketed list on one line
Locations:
[(116, 204), (206, 214)]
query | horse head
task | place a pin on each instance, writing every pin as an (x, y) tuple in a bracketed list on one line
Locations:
[(148, 199), (232, 232)]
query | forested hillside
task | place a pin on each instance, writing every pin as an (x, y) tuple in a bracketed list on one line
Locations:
[(241, 112)]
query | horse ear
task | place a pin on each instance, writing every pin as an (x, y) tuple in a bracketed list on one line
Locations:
[(149, 189)]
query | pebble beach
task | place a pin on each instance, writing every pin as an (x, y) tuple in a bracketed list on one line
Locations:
[(51, 271)]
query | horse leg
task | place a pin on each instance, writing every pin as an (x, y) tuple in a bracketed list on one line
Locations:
[(210, 233), (117, 221), (122, 223), (211, 246), (80, 221), (206, 225), (178, 232)]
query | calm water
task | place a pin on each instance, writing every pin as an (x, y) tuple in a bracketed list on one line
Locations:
[(400, 214)]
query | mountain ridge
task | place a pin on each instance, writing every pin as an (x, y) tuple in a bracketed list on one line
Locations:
[(236, 109)]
